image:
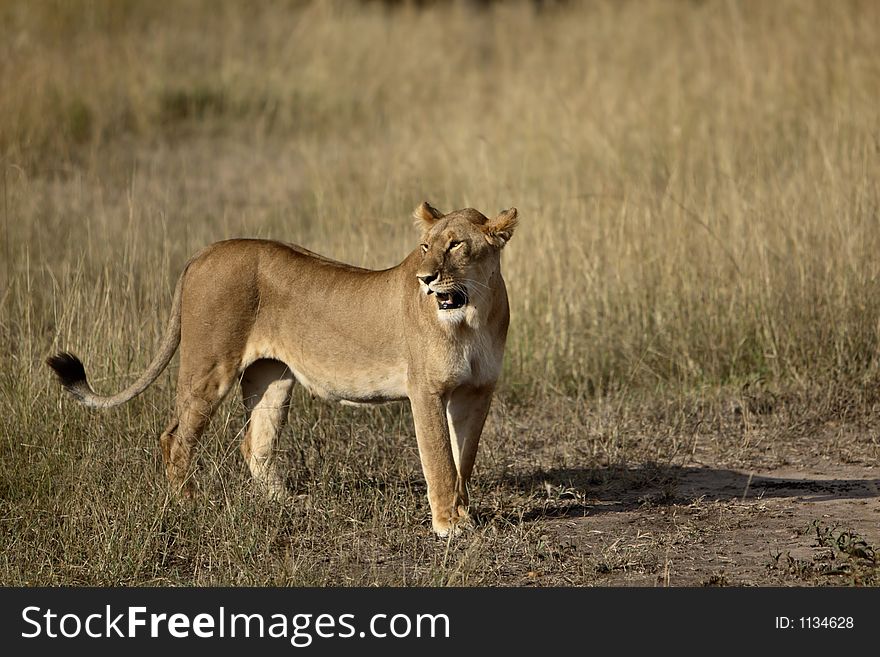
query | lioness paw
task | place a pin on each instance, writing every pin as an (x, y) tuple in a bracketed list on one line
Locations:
[(456, 525)]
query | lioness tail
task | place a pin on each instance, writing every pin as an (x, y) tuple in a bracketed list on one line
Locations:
[(72, 375)]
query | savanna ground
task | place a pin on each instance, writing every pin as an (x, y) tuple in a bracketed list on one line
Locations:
[(691, 392)]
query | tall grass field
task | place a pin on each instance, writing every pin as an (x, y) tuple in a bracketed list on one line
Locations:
[(696, 268)]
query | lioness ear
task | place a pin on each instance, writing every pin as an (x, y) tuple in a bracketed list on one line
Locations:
[(425, 215), (499, 230)]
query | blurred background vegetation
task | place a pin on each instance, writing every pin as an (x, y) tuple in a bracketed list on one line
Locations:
[(699, 193), (697, 181)]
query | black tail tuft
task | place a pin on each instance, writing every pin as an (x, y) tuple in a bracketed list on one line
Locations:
[(68, 367)]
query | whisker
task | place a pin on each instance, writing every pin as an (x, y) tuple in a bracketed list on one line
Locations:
[(477, 294), (475, 282)]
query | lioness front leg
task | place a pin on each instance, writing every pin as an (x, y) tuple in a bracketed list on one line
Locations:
[(435, 451), (466, 411)]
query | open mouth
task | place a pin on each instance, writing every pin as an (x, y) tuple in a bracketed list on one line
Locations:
[(451, 300)]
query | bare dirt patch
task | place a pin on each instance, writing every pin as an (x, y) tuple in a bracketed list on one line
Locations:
[(704, 491), (715, 526)]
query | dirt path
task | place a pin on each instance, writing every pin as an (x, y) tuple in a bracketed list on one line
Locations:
[(707, 526)]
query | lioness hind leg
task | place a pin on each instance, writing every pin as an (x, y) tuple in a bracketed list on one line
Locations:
[(466, 411), (180, 439), (201, 385), (266, 386)]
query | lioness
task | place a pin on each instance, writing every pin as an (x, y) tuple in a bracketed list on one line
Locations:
[(266, 314)]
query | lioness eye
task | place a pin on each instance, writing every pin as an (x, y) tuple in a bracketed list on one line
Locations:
[(424, 248), (454, 244)]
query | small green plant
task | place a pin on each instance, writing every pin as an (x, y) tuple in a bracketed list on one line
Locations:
[(844, 543), (844, 555)]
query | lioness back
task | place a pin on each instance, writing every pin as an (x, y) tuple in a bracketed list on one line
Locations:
[(326, 320)]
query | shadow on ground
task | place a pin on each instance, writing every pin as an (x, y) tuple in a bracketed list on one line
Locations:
[(599, 491)]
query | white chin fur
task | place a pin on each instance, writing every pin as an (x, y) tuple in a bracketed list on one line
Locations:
[(456, 316)]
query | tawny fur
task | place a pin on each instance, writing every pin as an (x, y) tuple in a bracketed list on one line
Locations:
[(267, 314)]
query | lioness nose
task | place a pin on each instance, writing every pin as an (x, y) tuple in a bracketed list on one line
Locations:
[(427, 278)]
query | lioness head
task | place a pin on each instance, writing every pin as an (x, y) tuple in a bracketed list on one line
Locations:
[(460, 254)]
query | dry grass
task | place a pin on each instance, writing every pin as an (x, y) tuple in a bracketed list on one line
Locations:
[(699, 199)]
